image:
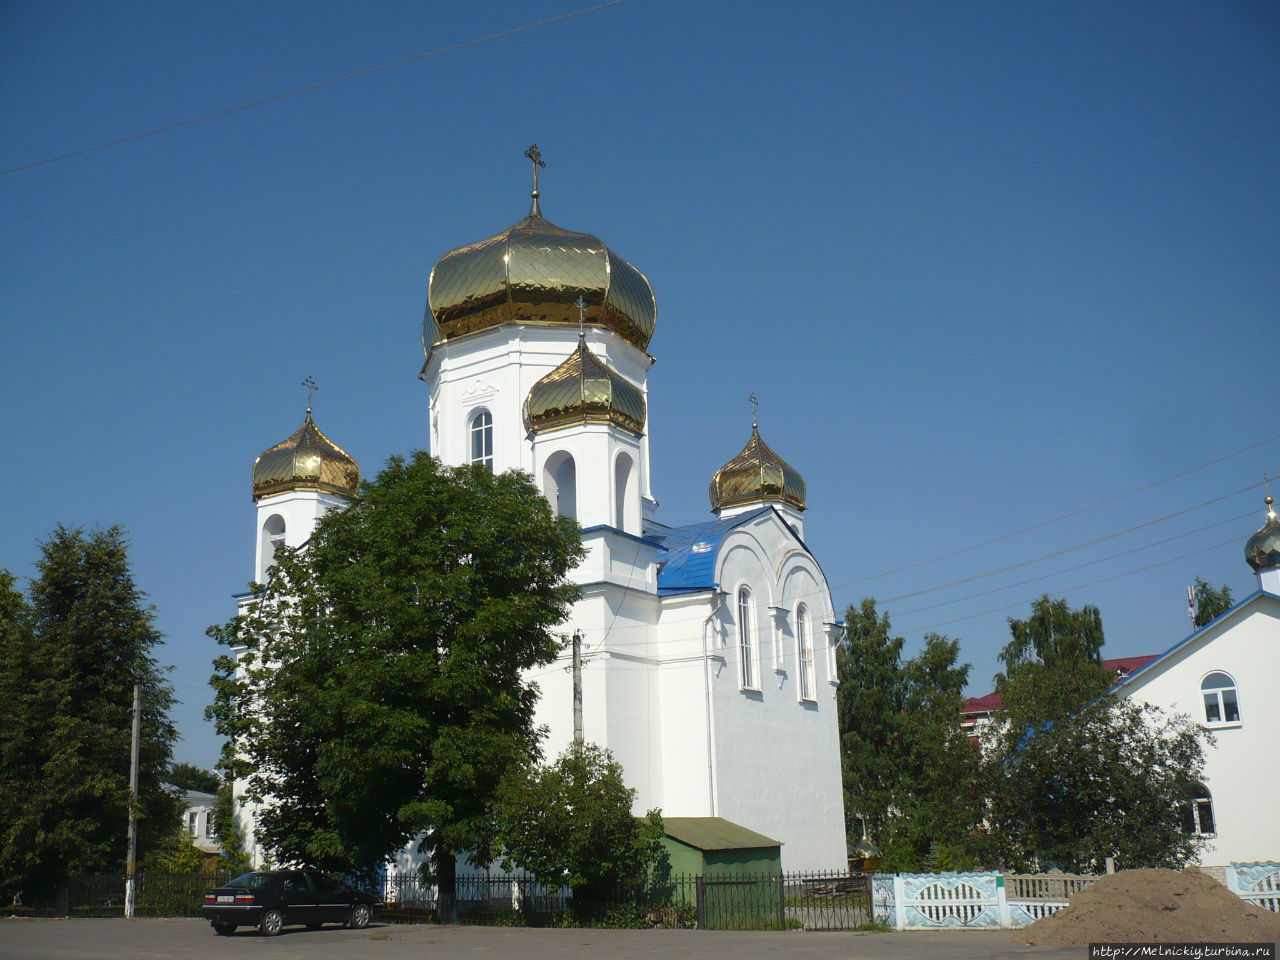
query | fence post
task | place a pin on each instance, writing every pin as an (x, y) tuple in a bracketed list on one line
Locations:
[(782, 902), (899, 902), (1002, 903), (702, 902)]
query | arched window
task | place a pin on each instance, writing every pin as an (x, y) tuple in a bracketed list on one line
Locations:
[(482, 439), (804, 652), (1197, 815), (272, 540), (561, 484), (1220, 702), (626, 495), (744, 639)]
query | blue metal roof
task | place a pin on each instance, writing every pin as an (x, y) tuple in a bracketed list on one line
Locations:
[(687, 555)]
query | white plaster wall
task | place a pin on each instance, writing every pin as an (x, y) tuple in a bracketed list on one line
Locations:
[(685, 723), (301, 510), (1243, 769)]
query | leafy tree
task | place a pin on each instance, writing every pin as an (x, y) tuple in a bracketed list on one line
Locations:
[(909, 770), (227, 829), (1210, 603), (570, 824), (1113, 780), (69, 660), (187, 776), (379, 693), (1074, 774), (1052, 663)]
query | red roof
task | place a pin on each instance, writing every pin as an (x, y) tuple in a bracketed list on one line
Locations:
[(1121, 666)]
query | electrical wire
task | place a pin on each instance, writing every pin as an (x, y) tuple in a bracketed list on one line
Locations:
[(312, 86)]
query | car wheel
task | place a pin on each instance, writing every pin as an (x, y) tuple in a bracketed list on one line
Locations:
[(359, 916), (271, 923), (224, 929)]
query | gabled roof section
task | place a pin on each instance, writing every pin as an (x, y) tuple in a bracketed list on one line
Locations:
[(1148, 669), (715, 833), (687, 555)]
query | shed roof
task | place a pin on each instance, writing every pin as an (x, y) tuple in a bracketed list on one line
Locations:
[(715, 833)]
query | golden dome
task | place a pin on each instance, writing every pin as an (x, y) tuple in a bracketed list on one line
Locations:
[(1263, 549), (532, 273), (756, 475), (584, 390), (308, 460)]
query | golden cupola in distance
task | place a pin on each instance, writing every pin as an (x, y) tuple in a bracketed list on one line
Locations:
[(532, 272), (308, 460), (756, 475), (584, 390)]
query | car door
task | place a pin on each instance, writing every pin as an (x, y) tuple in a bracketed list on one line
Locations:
[(332, 901), (299, 898)]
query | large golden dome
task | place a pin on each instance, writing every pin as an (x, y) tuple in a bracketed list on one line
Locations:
[(1263, 549), (757, 475), (532, 273), (584, 390), (308, 460)]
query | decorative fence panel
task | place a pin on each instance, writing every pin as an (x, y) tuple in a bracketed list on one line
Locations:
[(1257, 883)]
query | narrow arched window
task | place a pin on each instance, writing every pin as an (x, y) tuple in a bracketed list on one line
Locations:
[(1221, 705), (1197, 815), (482, 439), (272, 540), (804, 652), (744, 639)]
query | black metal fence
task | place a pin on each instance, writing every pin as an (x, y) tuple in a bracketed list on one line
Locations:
[(722, 901)]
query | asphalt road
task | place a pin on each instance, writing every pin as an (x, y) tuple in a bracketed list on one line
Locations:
[(194, 940)]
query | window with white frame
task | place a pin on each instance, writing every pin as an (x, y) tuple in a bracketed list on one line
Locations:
[(744, 639), (1221, 705), (804, 652), (1197, 815), (482, 439), (192, 818)]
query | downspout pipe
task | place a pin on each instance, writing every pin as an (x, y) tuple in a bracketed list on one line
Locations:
[(710, 710)]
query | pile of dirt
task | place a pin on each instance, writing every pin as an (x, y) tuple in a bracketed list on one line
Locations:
[(1154, 906)]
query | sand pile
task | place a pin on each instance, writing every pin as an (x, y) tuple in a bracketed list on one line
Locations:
[(1154, 906)]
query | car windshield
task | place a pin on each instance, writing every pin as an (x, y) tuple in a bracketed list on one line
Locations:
[(252, 881)]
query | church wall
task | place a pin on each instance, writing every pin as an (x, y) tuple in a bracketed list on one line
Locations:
[(300, 510), (684, 676), (1241, 779)]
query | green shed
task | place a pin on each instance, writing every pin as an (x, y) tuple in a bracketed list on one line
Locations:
[(706, 846)]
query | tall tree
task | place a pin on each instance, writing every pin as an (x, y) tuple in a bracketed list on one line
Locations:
[(1210, 603), (70, 660), (187, 776), (380, 691), (909, 770)]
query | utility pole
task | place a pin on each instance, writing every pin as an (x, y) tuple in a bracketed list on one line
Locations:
[(577, 686), (130, 881), (1191, 606)]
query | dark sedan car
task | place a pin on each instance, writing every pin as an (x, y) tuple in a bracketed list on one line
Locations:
[(271, 899)]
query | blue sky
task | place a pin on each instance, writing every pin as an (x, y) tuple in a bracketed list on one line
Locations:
[(984, 264)]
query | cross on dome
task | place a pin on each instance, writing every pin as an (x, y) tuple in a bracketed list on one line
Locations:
[(535, 155), (310, 384)]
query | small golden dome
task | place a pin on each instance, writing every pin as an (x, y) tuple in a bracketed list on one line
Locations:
[(757, 475), (584, 390), (1262, 551), (308, 460), (532, 273)]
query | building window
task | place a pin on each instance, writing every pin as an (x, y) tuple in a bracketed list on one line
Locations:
[(482, 439), (210, 830), (804, 652), (192, 817), (1197, 815), (1220, 702), (744, 639)]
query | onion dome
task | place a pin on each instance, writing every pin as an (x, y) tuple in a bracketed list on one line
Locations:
[(533, 272), (584, 390), (308, 460), (1263, 549), (757, 475)]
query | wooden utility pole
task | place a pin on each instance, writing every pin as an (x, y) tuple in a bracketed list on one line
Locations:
[(577, 686), (130, 881)]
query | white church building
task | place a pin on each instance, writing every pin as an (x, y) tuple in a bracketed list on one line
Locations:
[(709, 648)]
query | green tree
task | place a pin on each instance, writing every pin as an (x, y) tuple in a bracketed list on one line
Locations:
[(187, 776), (909, 770), (1210, 603), (227, 829), (380, 691), (569, 823), (69, 659), (1074, 775)]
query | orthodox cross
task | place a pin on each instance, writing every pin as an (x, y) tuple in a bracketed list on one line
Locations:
[(310, 384), (754, 403), (534, 154), (582, 313)]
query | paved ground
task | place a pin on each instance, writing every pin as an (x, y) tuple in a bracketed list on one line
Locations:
[(194, 940)]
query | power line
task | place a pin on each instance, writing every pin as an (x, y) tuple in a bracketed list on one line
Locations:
[(312, 86)]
